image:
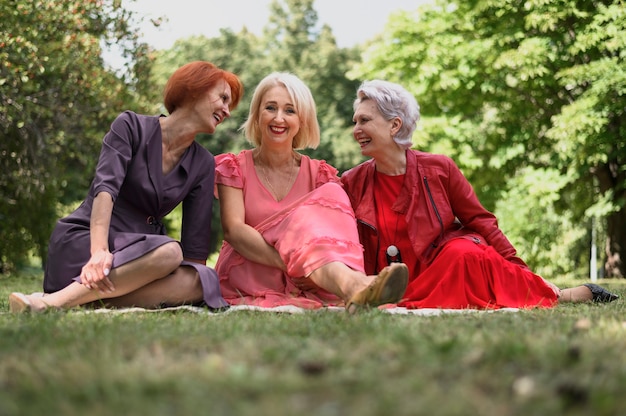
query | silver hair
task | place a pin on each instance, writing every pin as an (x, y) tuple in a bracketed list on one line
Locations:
[(392, 100)]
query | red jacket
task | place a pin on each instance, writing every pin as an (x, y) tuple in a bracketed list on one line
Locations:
[(438, 203)]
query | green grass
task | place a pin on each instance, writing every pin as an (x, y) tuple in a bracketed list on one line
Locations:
[(567, 360)]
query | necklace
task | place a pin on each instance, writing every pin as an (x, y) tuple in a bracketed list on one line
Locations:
[(392, 252), (287, 185)]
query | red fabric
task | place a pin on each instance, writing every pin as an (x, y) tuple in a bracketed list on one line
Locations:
[(431, 180), (470, 275), (391, 224), (463, 260)]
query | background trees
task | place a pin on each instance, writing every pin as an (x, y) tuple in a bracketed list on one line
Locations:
[(292, 41), (56, 99), (528, 97)]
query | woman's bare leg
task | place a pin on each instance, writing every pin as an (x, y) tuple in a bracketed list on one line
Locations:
[(179, 288), (127, 278), (575, 295), (340, 279)]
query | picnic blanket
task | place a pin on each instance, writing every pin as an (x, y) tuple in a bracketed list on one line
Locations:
[(296, 310)]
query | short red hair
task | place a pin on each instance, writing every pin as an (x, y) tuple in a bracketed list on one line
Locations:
[(191, 81)]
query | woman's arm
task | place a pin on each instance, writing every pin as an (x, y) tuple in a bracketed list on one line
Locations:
[(473, 215), (94, 274), (245, 239)]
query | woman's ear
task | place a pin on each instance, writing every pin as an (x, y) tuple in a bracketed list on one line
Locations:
[(396, 124)]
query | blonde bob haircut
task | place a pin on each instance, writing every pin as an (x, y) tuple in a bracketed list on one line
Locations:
[(309, 134)]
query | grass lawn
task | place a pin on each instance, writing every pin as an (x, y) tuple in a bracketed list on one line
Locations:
[(567, 360)]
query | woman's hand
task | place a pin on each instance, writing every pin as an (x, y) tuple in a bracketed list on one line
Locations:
[(95, 274), (554, 287)]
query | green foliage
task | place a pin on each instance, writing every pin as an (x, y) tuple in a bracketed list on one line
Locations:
[(58, 98), (537, 217), (56, 101), (527, 97), (533, 85)]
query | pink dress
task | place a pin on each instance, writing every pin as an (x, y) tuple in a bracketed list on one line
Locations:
[(312, 226)]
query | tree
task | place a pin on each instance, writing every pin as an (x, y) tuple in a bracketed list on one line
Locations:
[(537, 84), (56, 101), (292, 42)]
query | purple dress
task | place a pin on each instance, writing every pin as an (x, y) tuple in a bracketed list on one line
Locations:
[(130, 169)]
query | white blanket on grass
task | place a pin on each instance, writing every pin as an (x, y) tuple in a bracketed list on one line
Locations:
[(295, 309)]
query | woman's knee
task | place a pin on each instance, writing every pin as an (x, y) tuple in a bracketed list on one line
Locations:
[(170, 252), (463, 247)]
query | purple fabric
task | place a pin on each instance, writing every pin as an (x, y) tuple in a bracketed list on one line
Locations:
[(130, 169)]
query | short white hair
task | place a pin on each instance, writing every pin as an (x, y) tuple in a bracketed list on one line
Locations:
[(392, 100)]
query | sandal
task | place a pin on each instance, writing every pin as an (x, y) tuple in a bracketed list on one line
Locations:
[(387, 287), (19, 303)]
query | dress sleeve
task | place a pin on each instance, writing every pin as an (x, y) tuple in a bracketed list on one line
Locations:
[(115, 155), (227, 171), (326, 173), (197, 213)]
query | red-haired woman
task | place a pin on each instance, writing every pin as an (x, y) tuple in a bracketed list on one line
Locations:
[(113, 248)]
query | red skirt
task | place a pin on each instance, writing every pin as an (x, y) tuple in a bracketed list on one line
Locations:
[(475, 276)]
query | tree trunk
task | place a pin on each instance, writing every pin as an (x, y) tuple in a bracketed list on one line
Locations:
[(612, 179), (615, 245)]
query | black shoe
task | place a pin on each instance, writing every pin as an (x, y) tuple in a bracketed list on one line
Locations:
[(600, 294)]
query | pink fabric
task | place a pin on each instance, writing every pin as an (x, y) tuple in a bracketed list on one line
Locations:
[(476, 276), (312, 226)]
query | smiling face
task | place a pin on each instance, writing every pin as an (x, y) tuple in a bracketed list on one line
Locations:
[(278, 120), (214, 106), (373, 133)]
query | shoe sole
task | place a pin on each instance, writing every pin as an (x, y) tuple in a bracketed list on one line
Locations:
[(395, 285)]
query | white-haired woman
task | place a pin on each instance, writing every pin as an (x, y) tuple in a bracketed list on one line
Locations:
[(418, 208), (289, 230)]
